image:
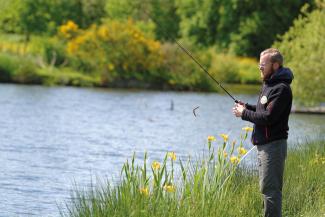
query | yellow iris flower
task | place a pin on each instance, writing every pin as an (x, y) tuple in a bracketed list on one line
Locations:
[(242, 151), (211, 138), (225, 137), (172, 156), (170, 188), (144, 191), (234, 160), (247, 129), (155, 165)]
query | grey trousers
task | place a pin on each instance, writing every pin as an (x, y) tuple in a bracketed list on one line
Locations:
[(271, 159)]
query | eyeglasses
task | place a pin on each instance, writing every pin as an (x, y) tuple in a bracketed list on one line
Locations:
[(263, 65)]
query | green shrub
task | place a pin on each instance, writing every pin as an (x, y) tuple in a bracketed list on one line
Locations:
[(8, 65), (225, 68), (303, 48), (67, 77), (248, 71), (181, 72), (52, 50), (26, 72)]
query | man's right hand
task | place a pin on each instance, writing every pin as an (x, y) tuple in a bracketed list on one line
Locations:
[(238, 109)]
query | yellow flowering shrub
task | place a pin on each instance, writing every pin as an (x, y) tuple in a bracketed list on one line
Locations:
[(68, 30), (117, 49)]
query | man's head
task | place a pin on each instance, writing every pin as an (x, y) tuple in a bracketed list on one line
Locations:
[(270, 61)]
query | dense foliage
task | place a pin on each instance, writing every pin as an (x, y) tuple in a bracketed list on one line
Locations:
[(123, 43), (43, 17), (244, 27), (304, 48)]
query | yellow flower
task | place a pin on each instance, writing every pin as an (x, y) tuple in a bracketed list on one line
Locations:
[(170, 188), (111, 66), (247, 129), (211, 138), (172, 155), (225, 137), (103, 32), (225, 154), (242, 151), (144, 191), (72, 47), (155, 165), (318, 160), (68, 29), (234, 160)]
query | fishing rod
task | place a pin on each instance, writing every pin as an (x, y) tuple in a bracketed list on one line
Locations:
[(195, 60)]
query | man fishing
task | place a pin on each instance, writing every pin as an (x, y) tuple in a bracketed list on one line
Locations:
[(270, 117)]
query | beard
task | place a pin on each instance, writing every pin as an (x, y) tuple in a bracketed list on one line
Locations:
[(267, 76)]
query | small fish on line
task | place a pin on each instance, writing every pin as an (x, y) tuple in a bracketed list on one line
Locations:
[(195, 110)]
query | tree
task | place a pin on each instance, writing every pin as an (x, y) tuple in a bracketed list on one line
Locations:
[(166, 19), (162, 13), (244, 27), (44, 16), (9, 16), (303, 47), (125, 9)]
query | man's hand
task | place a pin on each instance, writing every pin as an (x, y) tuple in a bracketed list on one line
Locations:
[(241, 103), (238, 109)]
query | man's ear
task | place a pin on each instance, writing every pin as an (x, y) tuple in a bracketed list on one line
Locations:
[(275, 66)]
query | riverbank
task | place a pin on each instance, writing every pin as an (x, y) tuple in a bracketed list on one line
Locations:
[(309, 110), (303, 193)]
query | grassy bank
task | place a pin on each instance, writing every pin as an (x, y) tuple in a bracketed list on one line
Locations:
[(214, 185)]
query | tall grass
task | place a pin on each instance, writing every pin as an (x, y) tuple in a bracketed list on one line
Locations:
[(215, 185)]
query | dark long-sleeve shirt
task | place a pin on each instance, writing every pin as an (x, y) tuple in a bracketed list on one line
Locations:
[(271, 113)]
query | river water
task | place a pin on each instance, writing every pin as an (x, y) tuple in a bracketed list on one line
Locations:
[(53, 137)]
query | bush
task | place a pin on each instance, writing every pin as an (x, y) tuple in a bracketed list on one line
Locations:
[(118, 50), (181, 72), (248, 71), (18, 69), (303, 48), (67, 77), (8, 65), (52, 50), (225, 68), (26, 72)]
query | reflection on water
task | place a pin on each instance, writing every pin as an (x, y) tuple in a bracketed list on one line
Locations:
[(53, 136)]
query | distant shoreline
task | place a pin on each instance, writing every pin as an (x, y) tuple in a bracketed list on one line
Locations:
[(319, 110)]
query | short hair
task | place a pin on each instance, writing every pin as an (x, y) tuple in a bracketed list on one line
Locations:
[(276, 56)]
